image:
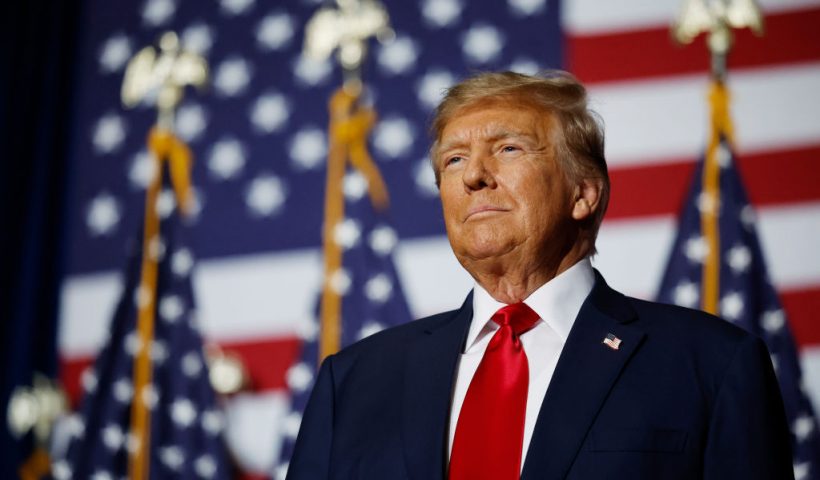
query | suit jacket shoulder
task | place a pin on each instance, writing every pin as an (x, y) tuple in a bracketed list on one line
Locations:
[(379, 407)]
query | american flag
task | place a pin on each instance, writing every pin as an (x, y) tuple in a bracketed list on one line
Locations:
[(746, 295), (260, 136), (612, 341), (371, 295), (185, 437)]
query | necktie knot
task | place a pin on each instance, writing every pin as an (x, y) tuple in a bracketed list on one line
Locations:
[(519, 316)]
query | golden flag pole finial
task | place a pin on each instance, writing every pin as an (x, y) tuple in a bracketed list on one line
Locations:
[(36, 409), (158, 77), (345, 30), (717, 18)]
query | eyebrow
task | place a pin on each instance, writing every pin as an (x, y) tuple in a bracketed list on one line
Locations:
[(493, 137)]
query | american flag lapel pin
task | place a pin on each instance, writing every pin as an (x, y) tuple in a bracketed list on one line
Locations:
[(612, 341)]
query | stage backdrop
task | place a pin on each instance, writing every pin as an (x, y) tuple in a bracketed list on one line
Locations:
[(259, 137)]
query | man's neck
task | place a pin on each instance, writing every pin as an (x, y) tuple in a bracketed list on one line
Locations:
[(511, 282)]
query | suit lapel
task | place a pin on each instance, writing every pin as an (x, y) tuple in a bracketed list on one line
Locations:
[(429, 379), (585, 373)]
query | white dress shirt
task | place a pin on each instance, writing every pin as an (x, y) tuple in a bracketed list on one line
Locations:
[(557, 302)]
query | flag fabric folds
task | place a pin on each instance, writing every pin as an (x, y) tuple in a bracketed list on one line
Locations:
[(186, 423), (745, 295)]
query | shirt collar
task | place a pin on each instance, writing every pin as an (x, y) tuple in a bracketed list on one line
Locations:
[(557, 302)]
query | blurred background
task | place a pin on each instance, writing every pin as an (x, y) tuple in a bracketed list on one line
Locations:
[(75, 168)]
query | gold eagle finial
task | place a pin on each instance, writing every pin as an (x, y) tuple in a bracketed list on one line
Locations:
[(160, 76)]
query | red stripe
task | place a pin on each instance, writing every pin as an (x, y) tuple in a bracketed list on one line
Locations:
[(648, 190), (266, 360), (771, 178), (791, 37), (70, 373), (801, 307), (251, 476)]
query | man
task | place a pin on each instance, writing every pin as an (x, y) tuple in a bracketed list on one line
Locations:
[(544, 372)]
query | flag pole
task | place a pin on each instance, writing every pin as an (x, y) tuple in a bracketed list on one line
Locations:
[(140, 80), (349, 126), (717, 18)]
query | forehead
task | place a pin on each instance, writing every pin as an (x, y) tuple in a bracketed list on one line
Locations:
[(496, 117)]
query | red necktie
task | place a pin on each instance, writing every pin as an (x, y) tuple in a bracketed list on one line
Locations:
[(490, 429)]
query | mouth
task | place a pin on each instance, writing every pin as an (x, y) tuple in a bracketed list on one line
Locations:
[(484, 211)]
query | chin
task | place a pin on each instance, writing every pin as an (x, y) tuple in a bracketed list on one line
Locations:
[(483, 250), (481, 240)]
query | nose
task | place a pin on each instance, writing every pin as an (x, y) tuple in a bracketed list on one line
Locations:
[(478, 174)]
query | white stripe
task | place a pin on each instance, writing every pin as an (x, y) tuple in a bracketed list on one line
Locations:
[(236, 297), (254, 429), (776, 107), (649, 122), (810, 362), (632, 253), (264, 296), (789, 237), (432, 278), (240, 297), (268, 295), (87, 304), (589, 17)]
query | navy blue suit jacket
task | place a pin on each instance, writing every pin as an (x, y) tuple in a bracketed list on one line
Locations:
[(686, 396)]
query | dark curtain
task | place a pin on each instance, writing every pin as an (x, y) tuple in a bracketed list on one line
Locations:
[(38, 40)]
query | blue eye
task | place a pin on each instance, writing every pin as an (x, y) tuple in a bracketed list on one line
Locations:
[(452, 160)]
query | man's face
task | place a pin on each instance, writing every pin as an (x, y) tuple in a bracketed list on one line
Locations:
[(502, 190)]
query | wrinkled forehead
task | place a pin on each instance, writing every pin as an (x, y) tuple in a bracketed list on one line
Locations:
[(514, 104)]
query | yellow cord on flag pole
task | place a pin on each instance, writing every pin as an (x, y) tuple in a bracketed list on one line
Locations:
[(350, 124), (710, 202), (164, 147), (36, 466)]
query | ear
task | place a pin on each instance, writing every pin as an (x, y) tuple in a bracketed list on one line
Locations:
[(586, 198)]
